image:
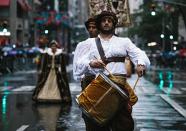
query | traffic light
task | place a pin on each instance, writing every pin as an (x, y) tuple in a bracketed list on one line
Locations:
[(162, 36), (153, 9), (5, 24), (63, 5)]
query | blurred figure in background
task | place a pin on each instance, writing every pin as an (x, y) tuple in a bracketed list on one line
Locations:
[(53, 86), (38, 60), (90, 25), (81, 49)]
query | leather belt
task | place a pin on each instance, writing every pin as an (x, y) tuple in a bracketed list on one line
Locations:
[(89, 77), (114, 59)]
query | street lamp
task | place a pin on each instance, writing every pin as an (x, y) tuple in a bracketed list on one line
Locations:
[(171, 37), (171, 42), (174, 48), (46, 31), (14, 46), (162, 36), (153, 13)]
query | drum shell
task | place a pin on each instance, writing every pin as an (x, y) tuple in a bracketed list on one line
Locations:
[(99, 100)]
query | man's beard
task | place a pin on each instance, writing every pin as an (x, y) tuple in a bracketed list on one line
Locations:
[(110, 31)]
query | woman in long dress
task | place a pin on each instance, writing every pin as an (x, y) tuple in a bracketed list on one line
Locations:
[(53, 86)]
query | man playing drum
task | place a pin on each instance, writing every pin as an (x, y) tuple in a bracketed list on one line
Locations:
[(113, 47)]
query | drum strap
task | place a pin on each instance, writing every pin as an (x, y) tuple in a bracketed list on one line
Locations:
[(102, 54)]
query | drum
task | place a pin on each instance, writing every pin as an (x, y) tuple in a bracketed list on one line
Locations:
[(100, 100)]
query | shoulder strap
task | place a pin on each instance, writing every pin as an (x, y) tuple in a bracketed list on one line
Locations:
[(102, 54), (100, 48)]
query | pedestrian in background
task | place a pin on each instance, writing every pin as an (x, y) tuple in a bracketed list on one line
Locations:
[(81, 49), (115, 50), (38, 60), (53, 86)]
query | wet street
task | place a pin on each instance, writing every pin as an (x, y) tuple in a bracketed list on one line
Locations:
[(47, 35), (160, 107)]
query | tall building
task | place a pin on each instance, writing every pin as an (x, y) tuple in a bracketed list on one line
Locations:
[(14, 22), (78, 12), (53, 21), (4, 22)]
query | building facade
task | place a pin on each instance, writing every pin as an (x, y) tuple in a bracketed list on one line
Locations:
[(15, 22)]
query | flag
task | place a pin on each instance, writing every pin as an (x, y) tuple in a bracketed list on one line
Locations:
[(119, 7)]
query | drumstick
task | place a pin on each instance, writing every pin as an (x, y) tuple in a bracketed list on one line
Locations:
[(105, 68), (108, 71), (136, 83)]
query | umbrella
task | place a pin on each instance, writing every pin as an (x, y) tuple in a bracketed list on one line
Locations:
[(6, 49)]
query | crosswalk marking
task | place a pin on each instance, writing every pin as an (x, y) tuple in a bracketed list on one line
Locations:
[(5, 88), (74, 87), (24, 88), (22, 128)]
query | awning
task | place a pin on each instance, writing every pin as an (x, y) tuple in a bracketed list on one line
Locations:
[(24, 5), (4, 2)]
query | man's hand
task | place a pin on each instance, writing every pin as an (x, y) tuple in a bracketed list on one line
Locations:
[(140, 70), (96, 63)]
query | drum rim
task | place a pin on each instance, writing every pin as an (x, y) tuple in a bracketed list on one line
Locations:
[(115, 86)]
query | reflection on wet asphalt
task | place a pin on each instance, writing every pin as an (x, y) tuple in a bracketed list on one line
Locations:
[(22, 111), (152, 112)]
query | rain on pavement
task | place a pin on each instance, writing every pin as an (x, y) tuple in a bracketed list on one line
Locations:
[(155, 110)]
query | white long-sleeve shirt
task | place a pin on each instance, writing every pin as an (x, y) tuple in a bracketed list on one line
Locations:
[(114, 47), (81, 50)]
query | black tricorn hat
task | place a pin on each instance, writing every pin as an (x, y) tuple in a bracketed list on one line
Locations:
[(109, 14), (90, 20)]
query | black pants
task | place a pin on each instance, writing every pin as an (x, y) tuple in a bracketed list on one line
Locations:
[(86, 81), (122, 120)]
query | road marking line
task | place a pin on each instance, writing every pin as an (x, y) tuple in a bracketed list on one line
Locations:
[(22, 128), (24, 88), (5, 88), (172, 91), (183, 89), (175, 105)]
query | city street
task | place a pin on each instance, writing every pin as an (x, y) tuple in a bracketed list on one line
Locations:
[(40, 38), (158, 108)]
